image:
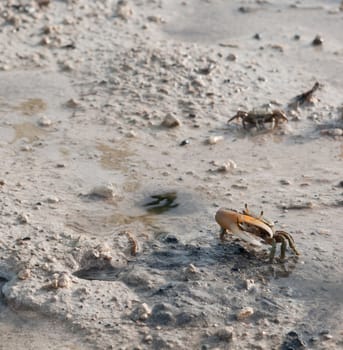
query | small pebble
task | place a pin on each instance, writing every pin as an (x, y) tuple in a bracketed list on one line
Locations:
[(191, 272), (228, 166), (212, 140), (52, 200), (131, 134), (246, 312), (141, 312), (64, 281), (44, 121), (123, 10), (231, 57), (170, 121), (317, 41), (24, 274), (184, 142), (103, 191), (285, 182), (72, 103), (23, 218), (155, 19), (332, 132), (327, 336), (249, 284), (225, 334), (26, 148)]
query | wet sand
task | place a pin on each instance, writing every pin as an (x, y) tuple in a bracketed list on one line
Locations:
[(116, 154)]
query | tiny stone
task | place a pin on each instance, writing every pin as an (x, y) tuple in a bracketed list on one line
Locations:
[(285, 182), (44, 121), (23, 218), (148, 338), (131, 134), (184, 142), (64, 281), (155, 19), (170, 121), (212, 140), (317, 41), (53, 200), (24, 274), (231, 57), (229, 165), (225, 334), (26, 148), (123, 10), (141, 312), (249, 284), (244, 313), (191, 272), (72, 103), (332, 132), (45, 41), (103, 191)]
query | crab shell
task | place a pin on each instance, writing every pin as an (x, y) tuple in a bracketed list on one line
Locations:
[(235, 222)]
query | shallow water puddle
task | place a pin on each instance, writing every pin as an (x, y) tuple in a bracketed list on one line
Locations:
[(32, 106), (28, 131), (112, 158)]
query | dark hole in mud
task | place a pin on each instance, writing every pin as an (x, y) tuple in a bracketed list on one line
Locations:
[(104, 273), (161, 203)]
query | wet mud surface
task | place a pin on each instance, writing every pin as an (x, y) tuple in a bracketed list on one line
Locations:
[(116, 153)]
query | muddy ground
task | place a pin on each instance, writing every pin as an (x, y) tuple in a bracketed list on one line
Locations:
[(116, 154)]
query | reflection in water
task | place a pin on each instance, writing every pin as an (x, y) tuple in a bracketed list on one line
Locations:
[(161, 203)]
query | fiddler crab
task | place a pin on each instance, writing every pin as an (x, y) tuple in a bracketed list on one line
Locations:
[(253, 228), (258, 118)]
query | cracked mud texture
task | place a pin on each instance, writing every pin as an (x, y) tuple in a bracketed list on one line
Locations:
[(116, 153)]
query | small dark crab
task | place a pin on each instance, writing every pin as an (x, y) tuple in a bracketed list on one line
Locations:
[(259, 118), (305, 98)]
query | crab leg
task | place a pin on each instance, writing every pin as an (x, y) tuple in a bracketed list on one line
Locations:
[(284, 235), (272, 251)]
